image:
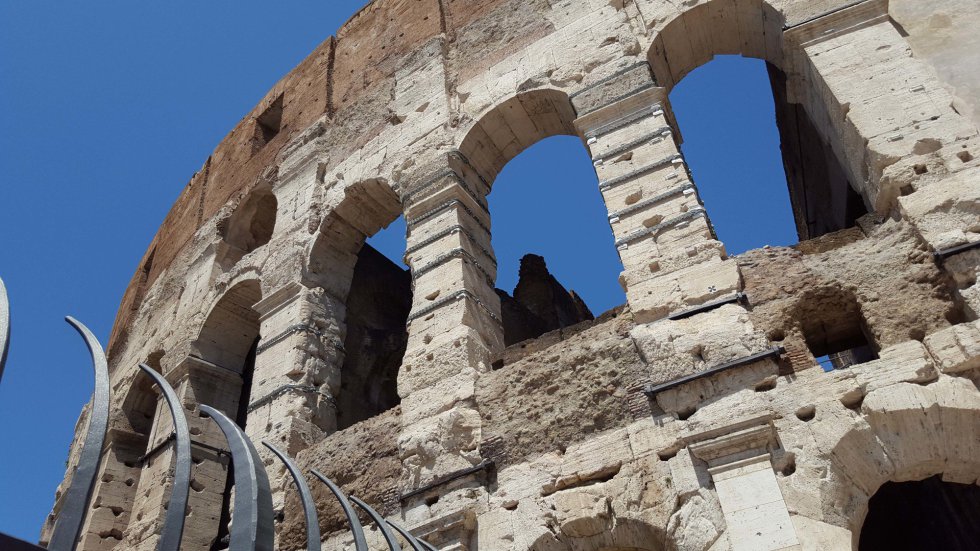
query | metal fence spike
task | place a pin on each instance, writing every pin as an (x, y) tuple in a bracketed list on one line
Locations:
[(69, 524), (309, 507), (173, 525), (252, 525), (4, 326), (412, 540), (360, 543), (382, 524)]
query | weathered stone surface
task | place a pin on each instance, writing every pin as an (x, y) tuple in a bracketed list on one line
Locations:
[(250, 297)]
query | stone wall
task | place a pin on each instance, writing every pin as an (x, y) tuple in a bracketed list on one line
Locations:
[(694, 417)]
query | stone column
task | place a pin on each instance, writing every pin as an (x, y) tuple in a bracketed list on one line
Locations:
[(670, 255), (892, 121), (884, 112), (739, 464), (454, 326), (196, 381), (297, 368)]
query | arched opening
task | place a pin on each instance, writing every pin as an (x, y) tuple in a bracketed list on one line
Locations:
[(227, 345), (925, 514), (251, 224), (527, 149), (375, 291), (734, 112), (833, 328), (556, 262), (607, 532)]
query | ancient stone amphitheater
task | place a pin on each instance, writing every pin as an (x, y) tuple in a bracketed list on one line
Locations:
[(694, 417)]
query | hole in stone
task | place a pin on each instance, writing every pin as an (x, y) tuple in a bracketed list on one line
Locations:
[(777, 335), (427, 339), (510, 505), (853, 399), (920, 169), (965, 156), (686, 413), (653, 221), (790, 467), (634, 197), (432, 296), (906, 190), (766, 385), (432, 500), (268, 124), (130, 482), (669, 453), (429, 356), (115, 534), (195, 431), (654, 266), (806, 413), (926, 146), (197, 486)]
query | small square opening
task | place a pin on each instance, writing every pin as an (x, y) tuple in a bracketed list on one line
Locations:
[(268, 124), (841, 344)]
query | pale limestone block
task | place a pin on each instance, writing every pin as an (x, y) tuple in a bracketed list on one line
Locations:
[(956, 348), (907, 362), (898, 412), (815, 535)]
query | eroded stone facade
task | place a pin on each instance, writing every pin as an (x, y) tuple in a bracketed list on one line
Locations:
[(695, 417)]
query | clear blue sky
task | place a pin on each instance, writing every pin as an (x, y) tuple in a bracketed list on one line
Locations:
[(109, 108)]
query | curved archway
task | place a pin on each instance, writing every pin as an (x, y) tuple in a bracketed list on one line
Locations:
[(225, 349), (823, 196), (607, 534), (923, 514), (250, 225), (512, 126), (366, 299), (906, 433)]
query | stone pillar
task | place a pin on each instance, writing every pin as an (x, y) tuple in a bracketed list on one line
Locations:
[(892, 121), (196, 381), (296, 377), (738, 462), (670, 255), (884, 112), (297, 368), (454, 326)]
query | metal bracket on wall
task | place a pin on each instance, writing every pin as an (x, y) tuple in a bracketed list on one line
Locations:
[(653, 390), (483, 465)]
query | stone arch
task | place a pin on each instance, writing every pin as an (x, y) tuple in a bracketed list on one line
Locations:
[(250, 225), (218, 372), (231, 328), (823, 196), (365, 299), (513, 125), (608, 533), (923, 514), (907, 432)]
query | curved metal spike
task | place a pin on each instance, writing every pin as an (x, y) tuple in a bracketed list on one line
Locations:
[(251, 527), (309, 506), (412, 540), (173, 525), (4, 326), (360, 543), (382, 524), (72, 515)]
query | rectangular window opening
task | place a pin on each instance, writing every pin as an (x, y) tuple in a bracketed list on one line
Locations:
[(268, 124)]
